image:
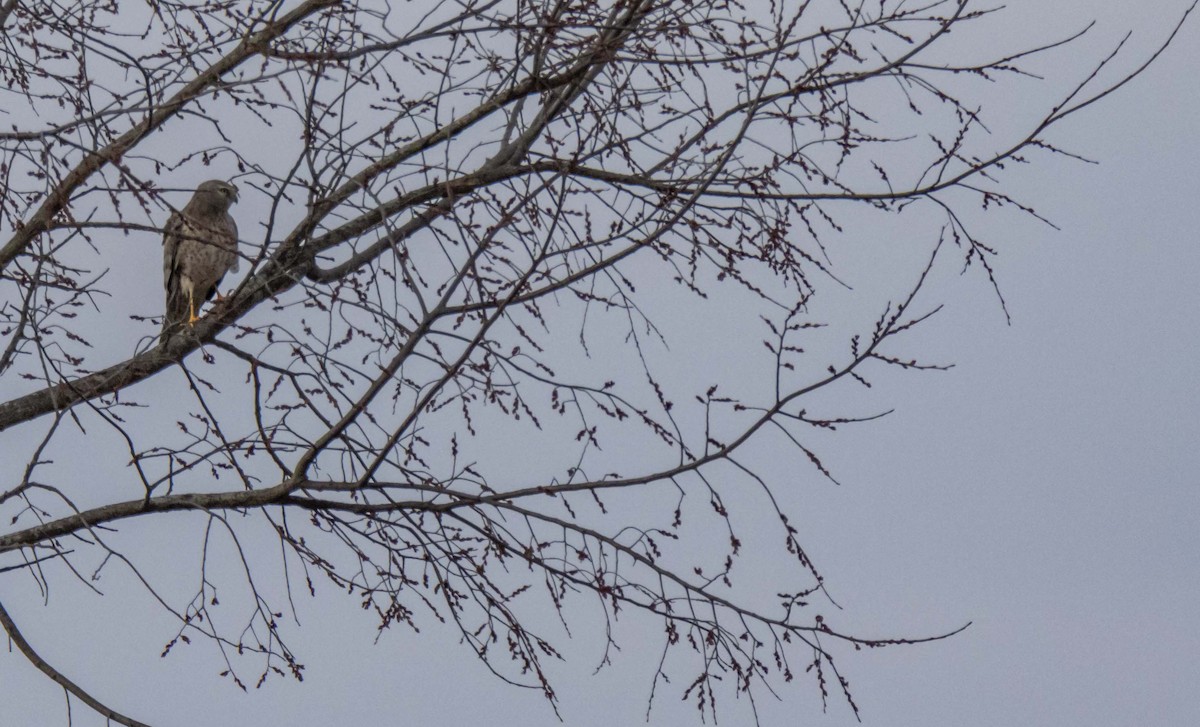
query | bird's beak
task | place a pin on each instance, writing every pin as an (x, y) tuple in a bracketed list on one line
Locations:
[(235, 193)]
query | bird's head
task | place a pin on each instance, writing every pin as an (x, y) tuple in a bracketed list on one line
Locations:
[(217, 193)]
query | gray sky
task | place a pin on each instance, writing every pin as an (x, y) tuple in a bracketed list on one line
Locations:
[(1046, 489)]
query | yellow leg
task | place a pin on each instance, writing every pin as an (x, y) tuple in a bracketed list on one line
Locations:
[(192, 310)]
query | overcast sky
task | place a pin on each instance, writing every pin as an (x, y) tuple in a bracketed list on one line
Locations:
[(1046, 489)]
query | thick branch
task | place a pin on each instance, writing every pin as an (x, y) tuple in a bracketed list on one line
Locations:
[(7, 10)]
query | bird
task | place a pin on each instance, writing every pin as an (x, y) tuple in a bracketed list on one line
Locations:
[(199, 248)]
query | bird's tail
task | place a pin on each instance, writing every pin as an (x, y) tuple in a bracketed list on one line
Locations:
[(176, 314)]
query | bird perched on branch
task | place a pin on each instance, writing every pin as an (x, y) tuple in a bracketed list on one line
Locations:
[(199, 247)]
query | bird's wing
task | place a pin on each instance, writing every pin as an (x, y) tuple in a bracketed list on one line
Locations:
[(231, 228), (172, 234), (176, 302)]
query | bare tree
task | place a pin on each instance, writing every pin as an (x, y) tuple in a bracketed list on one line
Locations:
[(481, 238)]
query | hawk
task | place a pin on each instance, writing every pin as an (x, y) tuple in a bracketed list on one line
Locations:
[(199, 247)]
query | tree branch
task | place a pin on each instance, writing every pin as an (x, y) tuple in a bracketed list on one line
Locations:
[(59, 678)]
